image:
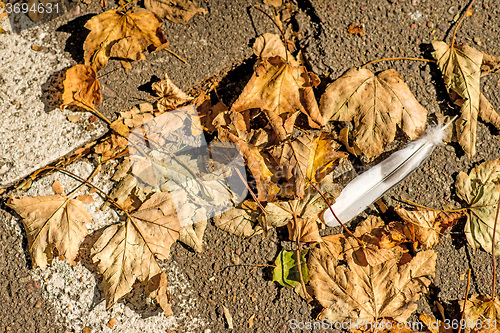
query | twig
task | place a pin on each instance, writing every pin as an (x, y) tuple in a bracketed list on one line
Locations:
[(459, 23), (493, 252), (176, 55), (360, 242), (465, 300), (279, 29), (397, 58)]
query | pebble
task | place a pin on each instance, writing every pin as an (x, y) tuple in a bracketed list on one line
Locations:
[(38, 305), (452, 10), (213, 316), (430, 25), (220, 310)]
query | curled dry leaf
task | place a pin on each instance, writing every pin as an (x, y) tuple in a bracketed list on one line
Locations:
[(177, 11), (349, 291), (481, 190), (309, 157), (52, 222), (81, 87), (426, 226), (461, 70), (376, 103), (120, 34), (170, 95), (280, 87), (129, 251), (241, 220)]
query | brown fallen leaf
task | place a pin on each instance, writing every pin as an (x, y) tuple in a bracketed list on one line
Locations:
[(111, 147), (81, 87), (52, 222), (280, 213), (490, 64), (170, 96), (280, 86), (377, 104), (460, 68), (427, 226), (120, 34), (482, 309), (192, 235), (441, 327), (304, 230), (349, 291), (241, 220), (309, 157), (177, 11), (129, 251)]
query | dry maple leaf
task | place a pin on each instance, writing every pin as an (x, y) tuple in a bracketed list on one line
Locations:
[(376, 103), (81, 87), (241, 220), (170, 95), (177, 11), (280, 213), (280, 87), (309, 157), (52, 222), (349, 291), (481, 191), (426, 226), (125, 35), (460, 67), (129, 251)]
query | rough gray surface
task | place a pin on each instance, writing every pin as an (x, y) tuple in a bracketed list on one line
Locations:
[(210, 43), (34, 132)]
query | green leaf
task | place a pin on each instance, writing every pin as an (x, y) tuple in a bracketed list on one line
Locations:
[(287, 272)]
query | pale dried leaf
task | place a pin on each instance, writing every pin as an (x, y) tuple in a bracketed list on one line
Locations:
[(376, 104), (170, 95), (192, 235), (481, 191), (460, 67), (129, 251), (480, 307), (240, 221), (52, 222)]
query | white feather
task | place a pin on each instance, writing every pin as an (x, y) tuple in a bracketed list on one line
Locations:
[(369, 186)]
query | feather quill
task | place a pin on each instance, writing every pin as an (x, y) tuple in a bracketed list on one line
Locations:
[(369, 186)]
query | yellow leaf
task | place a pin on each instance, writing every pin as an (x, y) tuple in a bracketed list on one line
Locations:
[(52, 221), (81, 87), (126, 35), (376, 104)]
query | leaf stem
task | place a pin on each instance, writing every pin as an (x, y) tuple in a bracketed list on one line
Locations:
[(465, 300), (279, 29), (360, 242), (493, 252), (176, 55), (86, 182), (459, 23), (397, 58)]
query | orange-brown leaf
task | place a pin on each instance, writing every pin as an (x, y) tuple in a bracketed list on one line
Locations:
[(81, 87)]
